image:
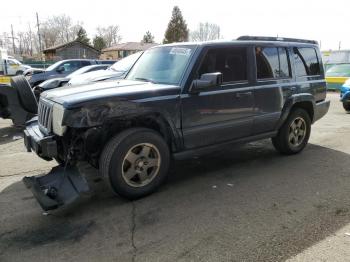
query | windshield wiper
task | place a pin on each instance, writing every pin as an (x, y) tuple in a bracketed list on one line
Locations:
[(145, 80)]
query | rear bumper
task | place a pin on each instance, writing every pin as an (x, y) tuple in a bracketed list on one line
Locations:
[(321, 109), (34, 140)]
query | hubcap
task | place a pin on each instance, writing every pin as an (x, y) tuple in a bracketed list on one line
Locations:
[(297, 132), (141, 164)]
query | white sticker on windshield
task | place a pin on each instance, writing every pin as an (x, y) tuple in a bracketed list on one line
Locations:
[(180, 51)]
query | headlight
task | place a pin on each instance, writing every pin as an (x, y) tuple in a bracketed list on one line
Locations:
[(57, 117)]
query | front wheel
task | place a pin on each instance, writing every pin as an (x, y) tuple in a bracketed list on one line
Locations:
[(346, 106), (294, 134), (135, 162)]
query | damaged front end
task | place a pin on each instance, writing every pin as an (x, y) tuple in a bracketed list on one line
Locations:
[(64, 184), (61, 186)]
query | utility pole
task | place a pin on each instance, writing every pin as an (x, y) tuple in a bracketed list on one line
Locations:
[(39, 35), (13, 40), (339, 45)]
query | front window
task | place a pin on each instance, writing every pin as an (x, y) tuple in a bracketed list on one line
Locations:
[(163, 65), (53, 66)]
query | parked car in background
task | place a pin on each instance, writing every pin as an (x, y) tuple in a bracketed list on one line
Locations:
[(58, 82), (345, 95), (60, 69), (337, 75), (33, 71), (117, 71), (178, 100)]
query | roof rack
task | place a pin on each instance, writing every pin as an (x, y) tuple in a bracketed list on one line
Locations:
[(283, 39)]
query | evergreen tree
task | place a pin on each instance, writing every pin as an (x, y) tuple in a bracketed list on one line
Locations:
[(177, 30), (82, 36), (148, 38), (99, 43)]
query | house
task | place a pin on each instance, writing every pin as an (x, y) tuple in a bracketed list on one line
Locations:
[(122, 50), (71, 50)]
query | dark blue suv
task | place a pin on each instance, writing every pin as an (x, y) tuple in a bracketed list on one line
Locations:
[(177, 101)]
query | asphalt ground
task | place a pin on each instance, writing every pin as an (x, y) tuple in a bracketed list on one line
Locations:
[(247, 203)]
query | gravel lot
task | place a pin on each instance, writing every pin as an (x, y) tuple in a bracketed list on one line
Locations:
[(244, 204)]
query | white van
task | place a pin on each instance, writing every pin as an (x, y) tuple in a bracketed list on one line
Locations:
[(10, 65)]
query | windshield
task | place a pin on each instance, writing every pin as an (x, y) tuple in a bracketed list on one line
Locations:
[(339, 70), (53, 66), (126, 63), (164, 65)]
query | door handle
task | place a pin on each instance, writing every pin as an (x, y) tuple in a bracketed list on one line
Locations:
[(243, 94)]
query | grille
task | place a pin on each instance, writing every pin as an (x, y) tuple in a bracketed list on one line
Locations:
[(45, 116)]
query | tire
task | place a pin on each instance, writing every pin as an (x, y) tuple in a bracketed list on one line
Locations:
[(18, 73), (25, 94), (288, 142), (115, 166), (346, 106)]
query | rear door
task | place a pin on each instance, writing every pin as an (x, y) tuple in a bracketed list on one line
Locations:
[(273, 85), (224, 112)]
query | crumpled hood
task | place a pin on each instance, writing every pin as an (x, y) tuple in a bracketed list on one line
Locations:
[(72, 96), (95, 76)]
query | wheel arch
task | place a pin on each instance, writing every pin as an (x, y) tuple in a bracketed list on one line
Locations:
[(304, 101)]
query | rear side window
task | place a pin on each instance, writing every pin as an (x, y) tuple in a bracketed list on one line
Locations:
[(306, 61), (272, 62), (231, 62)]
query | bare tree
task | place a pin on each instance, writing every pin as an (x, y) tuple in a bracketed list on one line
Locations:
[(109, 34), (59, 30), (205, 32)]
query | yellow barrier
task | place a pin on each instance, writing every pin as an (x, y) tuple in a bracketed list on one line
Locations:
[(336, 80), (5, 79)]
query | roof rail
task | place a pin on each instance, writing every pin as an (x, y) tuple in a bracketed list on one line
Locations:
[(269, 38)]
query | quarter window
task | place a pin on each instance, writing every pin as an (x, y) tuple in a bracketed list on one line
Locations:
[(306, 61), (272, 62), (231, 62)]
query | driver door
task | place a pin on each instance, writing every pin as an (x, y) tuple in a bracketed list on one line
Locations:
[(224, 112)]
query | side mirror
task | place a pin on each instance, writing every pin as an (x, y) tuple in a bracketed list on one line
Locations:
[(206, 81), (60, 69)]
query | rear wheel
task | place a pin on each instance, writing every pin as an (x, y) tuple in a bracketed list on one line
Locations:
[(135, 162), (346, 106), (294, 134)]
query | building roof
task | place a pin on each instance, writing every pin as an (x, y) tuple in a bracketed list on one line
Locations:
[(134, 46), (53, 48)]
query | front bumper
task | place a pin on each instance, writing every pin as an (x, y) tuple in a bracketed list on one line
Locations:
[(61, 186), (321, 108), (35, 140)]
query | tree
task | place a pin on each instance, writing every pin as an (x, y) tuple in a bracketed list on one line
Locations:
[(148, 38), (99, 43), (59, 29), (206, 32), (177, 28), (109, 34), (82, 36)]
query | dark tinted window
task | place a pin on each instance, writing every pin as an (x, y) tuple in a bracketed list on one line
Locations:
[(231, 62), (271, 62), (306, 61), (85, 63)]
